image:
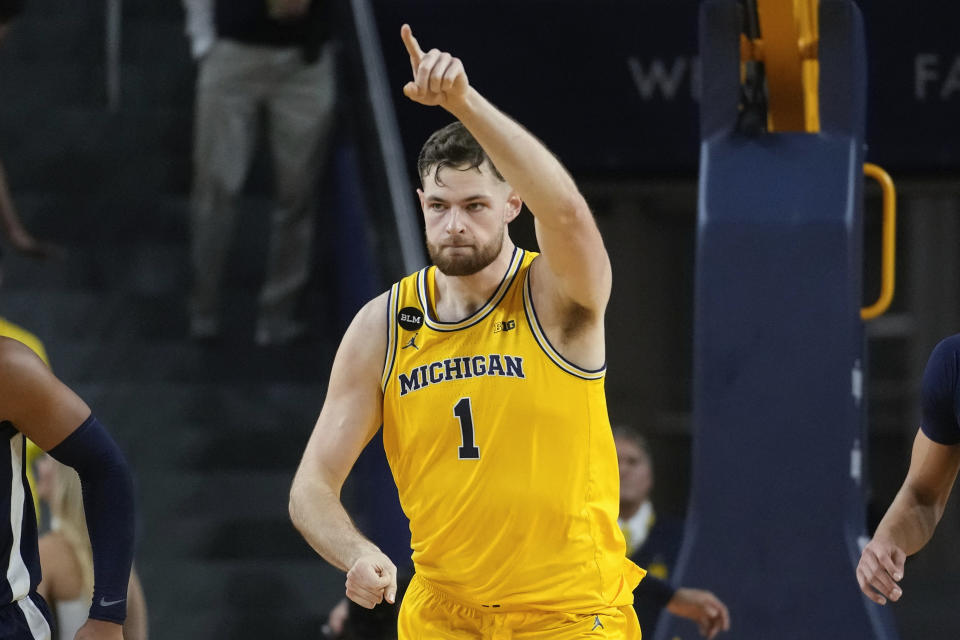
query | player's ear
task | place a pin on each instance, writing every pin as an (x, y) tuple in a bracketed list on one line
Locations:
[(512, 207), (423, 202)]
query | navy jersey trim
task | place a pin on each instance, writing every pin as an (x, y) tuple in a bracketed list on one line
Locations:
[(506, 282), (393, 301), (541, 337), (20, 569)]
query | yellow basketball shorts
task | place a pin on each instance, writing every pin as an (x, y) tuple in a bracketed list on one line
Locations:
[(429, 614)]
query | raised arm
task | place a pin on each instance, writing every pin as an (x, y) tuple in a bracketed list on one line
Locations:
[(578, 266), (56, 419), (350, 417)]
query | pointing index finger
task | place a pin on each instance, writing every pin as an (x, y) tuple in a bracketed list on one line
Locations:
[(413, 47)]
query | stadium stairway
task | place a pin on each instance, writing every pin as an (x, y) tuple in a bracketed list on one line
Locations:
[(213, 432)]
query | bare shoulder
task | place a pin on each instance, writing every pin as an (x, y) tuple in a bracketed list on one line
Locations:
[(17, 359), (34, 400), (365, 342), (23, 375), (372, 317), (368, 331)]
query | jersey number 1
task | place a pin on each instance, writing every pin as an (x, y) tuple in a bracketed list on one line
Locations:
[(464, 413)]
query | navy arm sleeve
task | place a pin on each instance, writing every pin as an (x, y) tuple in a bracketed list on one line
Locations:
[(939, 393), (108, 505), (653, 592)]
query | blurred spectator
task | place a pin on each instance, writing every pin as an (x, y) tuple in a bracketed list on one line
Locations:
[(258, 58), (67, 559), (653, 539), (8, 11), (13, 227), (653, 542)]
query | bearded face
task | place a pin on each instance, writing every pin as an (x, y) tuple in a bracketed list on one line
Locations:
[(466, 212), (459, 259)]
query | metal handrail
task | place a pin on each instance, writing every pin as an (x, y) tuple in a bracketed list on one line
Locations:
[(114, 27), (889, 242), (388, 135)]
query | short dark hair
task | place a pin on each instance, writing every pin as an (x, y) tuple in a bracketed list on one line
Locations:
[(9, 10), (629, 433), (454, 147)]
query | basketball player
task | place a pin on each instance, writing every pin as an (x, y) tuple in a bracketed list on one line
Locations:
[(35, 405), (486, 372), (910, 521)]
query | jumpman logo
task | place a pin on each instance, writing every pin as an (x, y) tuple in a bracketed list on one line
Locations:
[(412, 342), (596, 623)]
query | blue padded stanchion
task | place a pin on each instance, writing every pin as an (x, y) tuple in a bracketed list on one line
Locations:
[(777, 505)]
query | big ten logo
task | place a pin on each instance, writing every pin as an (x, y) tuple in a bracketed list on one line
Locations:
[(662, 78), (505, 325)]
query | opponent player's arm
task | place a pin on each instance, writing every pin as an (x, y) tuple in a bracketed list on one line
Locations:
[(350, 417), (911, 520), (569, 239), (58, 421), (919, 505)]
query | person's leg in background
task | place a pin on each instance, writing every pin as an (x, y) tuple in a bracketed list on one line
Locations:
[(230, 86), (301, 111)]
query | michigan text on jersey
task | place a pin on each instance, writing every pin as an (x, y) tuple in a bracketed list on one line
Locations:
[(494, 364)]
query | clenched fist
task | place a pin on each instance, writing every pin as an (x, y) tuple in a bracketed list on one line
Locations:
[(371, 580)]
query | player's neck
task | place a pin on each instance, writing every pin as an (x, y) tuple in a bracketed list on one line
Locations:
[(458, 297)]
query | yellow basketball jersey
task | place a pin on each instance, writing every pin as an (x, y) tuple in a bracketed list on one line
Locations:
[(502, 454)]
